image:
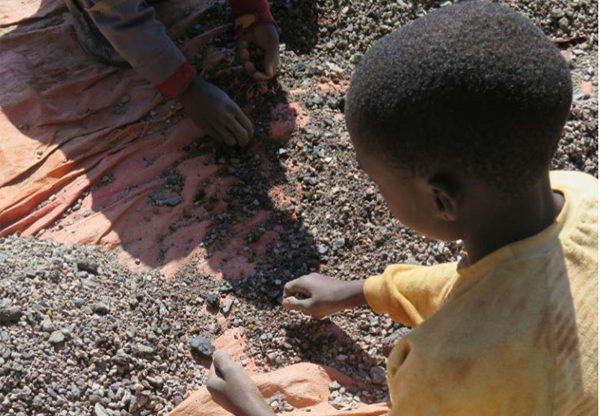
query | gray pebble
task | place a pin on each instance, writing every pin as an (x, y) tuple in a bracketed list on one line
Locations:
[(100, 308), (99, 410), (378, 375), (57, 337)]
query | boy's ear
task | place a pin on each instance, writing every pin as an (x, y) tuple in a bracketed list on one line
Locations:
[(444, 194)]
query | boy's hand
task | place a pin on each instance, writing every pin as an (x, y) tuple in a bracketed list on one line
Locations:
[(233, 390), (317, 295), (216, 113), (266, 37)]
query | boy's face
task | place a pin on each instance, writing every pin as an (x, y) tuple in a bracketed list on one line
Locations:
[(411, 199)]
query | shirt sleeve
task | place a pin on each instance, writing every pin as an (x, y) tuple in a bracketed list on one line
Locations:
[(410, 293), (259, 8), (132, 29)]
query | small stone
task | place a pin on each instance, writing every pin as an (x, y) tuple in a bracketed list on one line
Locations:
[(227, 306), (564, 23), (213, 301), (145, 349), (121, 358), (339, 243), (87, 266), (57, 337), (334, 385), (202, 346), (378, 375), (341, 357), (169, 202), (557, 13), (47, 325), (99, 410), (9, 315), (100, 308), (155, 381), (322, 249)]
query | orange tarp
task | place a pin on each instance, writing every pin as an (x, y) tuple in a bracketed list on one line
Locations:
[(305, 386)]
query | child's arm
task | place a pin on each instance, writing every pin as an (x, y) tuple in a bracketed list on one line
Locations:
[(232, 389), (408, 293), (317, 295)]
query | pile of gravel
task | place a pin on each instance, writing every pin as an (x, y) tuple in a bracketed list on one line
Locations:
[(79, 333)]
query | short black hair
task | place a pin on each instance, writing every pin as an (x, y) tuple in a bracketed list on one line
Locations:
[(474, 86)]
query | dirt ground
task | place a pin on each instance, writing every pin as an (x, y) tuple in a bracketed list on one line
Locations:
[(79, 332)]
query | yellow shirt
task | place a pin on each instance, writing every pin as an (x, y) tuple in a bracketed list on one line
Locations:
[(513, 334)]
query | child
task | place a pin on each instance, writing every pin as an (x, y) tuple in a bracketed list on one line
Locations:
[(456, 117), (126, 31)]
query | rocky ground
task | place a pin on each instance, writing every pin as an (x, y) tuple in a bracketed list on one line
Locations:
[(80, 334)]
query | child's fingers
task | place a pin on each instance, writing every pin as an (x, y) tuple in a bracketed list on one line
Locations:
[(260, 76), (295, 286), (222, 362), (214, 381), (292, 303), (249, 67), (244, 121), (243, 55), (271, 62)]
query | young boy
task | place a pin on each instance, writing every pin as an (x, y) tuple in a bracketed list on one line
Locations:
[(456, 117), (127, 32)]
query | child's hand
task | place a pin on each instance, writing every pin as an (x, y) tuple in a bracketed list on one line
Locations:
[(216, 113), (266, 37), (317, 295), (233, 390)]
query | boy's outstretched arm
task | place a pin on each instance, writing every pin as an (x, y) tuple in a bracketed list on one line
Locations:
[(408, 293), (233, 390), (318, 295)]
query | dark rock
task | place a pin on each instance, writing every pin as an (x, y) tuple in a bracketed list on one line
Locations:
[(202, 347), (10, 315), (378, 375), (100, 308), (213, 301), (169, 202), (87, 266)]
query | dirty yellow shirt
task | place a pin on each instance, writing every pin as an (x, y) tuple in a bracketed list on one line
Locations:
[(513, 334)]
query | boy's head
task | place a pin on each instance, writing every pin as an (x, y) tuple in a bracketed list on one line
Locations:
[(471, 93)]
